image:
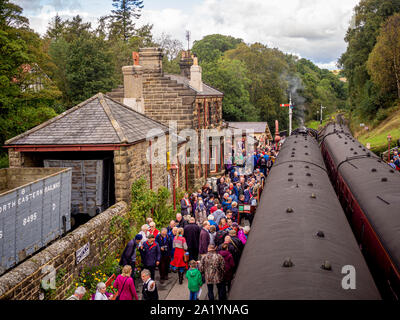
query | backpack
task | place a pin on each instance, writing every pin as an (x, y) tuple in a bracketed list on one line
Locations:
[(220, 237), (263, 162)]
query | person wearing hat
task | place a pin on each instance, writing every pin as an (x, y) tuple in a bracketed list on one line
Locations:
[(151, 255), (129, 254), (165, 243)]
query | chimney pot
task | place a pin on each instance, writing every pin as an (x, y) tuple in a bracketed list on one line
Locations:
[(133, 87), (135, 56), (151, 58), (195, 78), (185, 63)]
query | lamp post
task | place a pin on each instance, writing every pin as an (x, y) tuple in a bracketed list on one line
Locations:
[(389, 138), (173, 169), (320, 121)]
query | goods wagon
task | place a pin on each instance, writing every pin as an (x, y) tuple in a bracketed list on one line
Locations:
[(90, 184), (301, 245), (35, 208)]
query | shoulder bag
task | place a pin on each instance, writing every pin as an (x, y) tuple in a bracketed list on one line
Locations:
[(119, 292)]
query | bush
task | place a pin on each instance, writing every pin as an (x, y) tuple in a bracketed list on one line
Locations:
[(146, 202), (382, 114), (4, 160)]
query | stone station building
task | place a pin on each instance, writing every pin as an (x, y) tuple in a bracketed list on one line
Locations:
[(98, 128), (183, 98)]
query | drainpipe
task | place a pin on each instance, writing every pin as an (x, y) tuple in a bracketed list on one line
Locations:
[(151, 168), (205, 138), (186, 171)]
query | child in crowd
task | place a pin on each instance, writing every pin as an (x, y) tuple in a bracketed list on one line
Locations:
[(194, 280)]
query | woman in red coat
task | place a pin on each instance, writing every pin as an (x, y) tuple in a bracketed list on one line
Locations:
[(180, 246)]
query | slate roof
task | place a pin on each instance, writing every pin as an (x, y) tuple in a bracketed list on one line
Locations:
[(258, 127), (98, 120), (207, 90)]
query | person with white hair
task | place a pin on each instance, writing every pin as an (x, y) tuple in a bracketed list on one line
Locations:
[(149, 290), (148, 221), (78, 294), (101, 292), (145, 234), (201, 212), (211, 221), (180, 222), (243, 234), (172, 224), (153, 229)]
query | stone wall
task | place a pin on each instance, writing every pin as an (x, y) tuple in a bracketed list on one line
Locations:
[(14, 158), (130, 163), (24, 282), (166, 100), (22, 159)]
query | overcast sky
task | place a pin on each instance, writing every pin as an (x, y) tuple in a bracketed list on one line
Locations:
[(312, 29)]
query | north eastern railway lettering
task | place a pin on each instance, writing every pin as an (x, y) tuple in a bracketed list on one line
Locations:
[(28, 197)]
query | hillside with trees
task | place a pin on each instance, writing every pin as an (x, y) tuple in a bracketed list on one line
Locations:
[(256, 79), (371, 64)]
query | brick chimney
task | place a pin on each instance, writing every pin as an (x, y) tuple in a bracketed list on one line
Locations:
[(151, 59), (195, 76), (185, 63), (133, 85)]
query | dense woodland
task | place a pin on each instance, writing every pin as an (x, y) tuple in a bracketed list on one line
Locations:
[(372, 60), (42, 76)]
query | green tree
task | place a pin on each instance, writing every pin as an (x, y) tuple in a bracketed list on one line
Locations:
[(384, 60), (320, 86), (213, 46), (361, 37), (23, 104), (76, 28), (88, 68), (267, 89), (11, 16), (125, 11), (56, 28), (230, 77)]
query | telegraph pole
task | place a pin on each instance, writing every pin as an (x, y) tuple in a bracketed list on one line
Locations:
[(290, 113), (188, 38)]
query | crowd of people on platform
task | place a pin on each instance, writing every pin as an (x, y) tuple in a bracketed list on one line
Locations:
[(395, 161), (205, 241)]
